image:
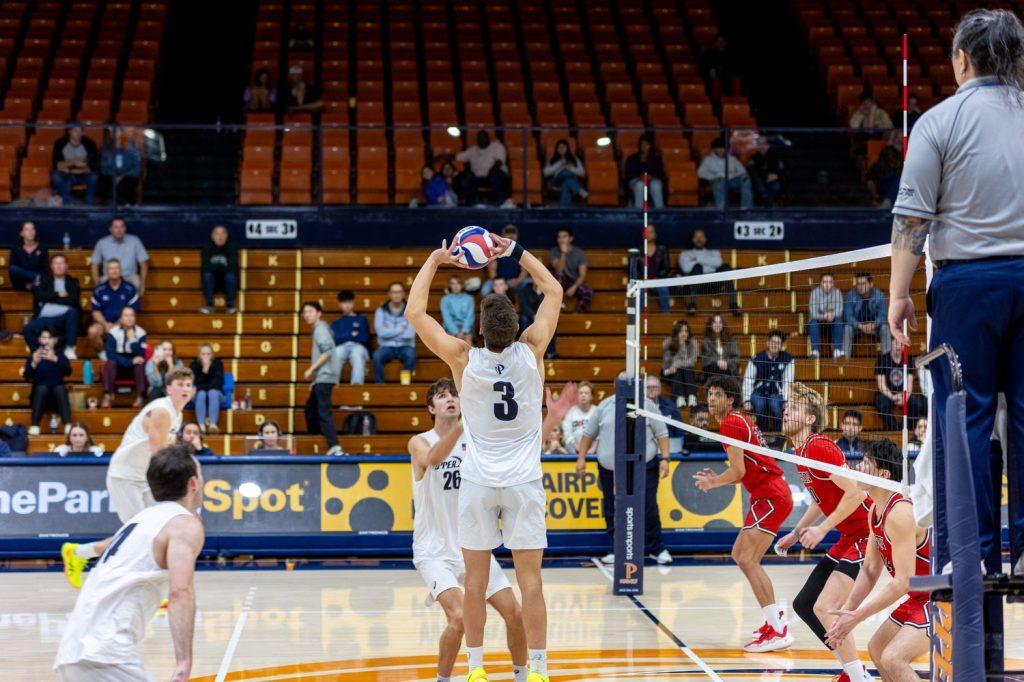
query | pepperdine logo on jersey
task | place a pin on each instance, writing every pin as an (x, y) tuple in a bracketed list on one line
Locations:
[(499, 368)]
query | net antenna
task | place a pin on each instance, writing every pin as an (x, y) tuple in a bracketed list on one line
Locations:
[(636, 311), (906, 350)]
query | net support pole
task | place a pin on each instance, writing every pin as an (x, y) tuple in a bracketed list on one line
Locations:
[(630, 473)]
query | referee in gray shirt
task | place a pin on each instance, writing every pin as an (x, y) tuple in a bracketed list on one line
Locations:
[(963, 184)]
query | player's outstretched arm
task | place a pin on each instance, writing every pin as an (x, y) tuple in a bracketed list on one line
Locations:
[(157, 429), (849, 615), (425, 456), (538, 335), (448, 348), (184, 542)]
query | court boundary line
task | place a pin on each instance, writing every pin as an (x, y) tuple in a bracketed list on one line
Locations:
[(680, 644), (236, 635)]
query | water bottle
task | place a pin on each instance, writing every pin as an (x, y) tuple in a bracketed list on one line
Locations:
[(366, 425), (87, 373), (53, 423), (67, 241), (248, 399)]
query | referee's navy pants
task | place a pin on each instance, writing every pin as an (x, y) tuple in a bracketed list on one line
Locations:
[(978, 308)]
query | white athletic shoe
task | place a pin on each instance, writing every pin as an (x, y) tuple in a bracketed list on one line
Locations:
[(768, 639), (608, 558), (782, 619), (33, 430), (693, 400), (680, 402), (69, 353), (815, 354), (336, 451), (837, 354), (663, 558)]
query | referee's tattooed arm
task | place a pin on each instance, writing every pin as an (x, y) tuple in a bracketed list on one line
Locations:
[(909, 233)]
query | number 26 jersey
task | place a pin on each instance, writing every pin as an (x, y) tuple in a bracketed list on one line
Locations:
[(501, 398)]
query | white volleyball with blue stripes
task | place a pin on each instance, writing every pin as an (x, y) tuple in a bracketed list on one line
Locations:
[(475, 246)]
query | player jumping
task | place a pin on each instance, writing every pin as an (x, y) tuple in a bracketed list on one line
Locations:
[(502, 499), (770, 505), (904, 550), (153, 427), (152, 555), (845, 508)]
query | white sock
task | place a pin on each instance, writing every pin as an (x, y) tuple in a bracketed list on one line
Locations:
[(86, 550), (445, 678), (519, 672), (771, 616), (538, 661), (854, 669), (476, 657)]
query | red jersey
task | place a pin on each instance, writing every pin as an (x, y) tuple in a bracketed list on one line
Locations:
[(923, 565), (826, 493), (762, 472)]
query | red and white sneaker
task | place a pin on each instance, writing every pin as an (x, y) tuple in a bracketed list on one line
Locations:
[(782, 619), (843, 677), (769, 639)]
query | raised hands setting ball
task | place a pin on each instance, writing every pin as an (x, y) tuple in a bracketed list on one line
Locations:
[(474, 246)]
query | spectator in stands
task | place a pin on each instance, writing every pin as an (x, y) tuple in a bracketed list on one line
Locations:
[(300, 39), (219, 270), (108, 300), (919, 436), (575, 420), (29, 260), (125, 349), (826, 312), (209, 387), (658, 265), (121, 166), (646, 159), (719, 353), (553, 442), (564, 171), (914, 111), (129, 252), (701, 418), (726, 174), (76, 160), (351, 334), (192, 436), (766, 382), (666, 406), (78, 442), (271, 439), (701, 260), (437, 189), (45, 369), (323, 373), (162, 361), (570, 266), (301, 96), (396, 339), (680, 355), (486, 166), (765, 171), (889, 378), (869, 116), (884, 176), (261, 95), (850, 442), (530, 298), (55, 302), (499, 285), (457, 311), (718, 68), (506, 267), (865, 313)]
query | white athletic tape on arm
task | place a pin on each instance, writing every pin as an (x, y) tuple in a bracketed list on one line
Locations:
[(843, 258), (845, 472)]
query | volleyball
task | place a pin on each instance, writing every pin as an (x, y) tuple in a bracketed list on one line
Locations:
[(474, 246)]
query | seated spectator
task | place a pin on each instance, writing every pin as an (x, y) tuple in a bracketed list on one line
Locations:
[(865, 312), (506, 267), (261, 95), (351, 334), (914, 111), (55, 302), (125, 349), (192, 436), (826, 312), (108, 300), (575, 420), (300, 39), (668, 408), (765, 171), (301, 96), (437, 188), (157, 367), (29, 260), (396, 339), (121, 166), (884, 176), (766, 382), (719, 353), (76, 160), (457, 311), (270, 438), (680, 356), (657, 266), (209, 387), (726, 174), (530, 298), (569, 264), (564, 171), (850, 442), (45, 369), (486, 166), (127, 249), (701, 418), (918, 437), (646, 159), (219, 270), (869, 115), (889, 379), (500, 286), (553, 442), (78, 442), (717, 66), (701, 260)]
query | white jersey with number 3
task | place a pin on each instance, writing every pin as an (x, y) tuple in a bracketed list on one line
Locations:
[(435, 533), (501, 399)]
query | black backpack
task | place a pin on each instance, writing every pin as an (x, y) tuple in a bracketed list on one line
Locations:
[(357, 423), (16, 437)]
